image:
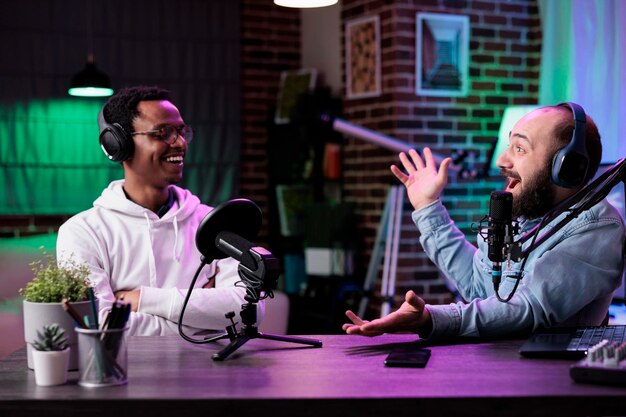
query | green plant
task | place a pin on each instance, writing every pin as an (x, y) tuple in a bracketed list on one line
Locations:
[(53, 282), (52, 338)]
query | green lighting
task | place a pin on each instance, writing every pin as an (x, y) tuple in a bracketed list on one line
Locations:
[(90, 92), (50, 161)]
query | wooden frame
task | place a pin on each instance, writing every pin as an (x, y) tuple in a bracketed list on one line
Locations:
[(442, 55), (363, 75)]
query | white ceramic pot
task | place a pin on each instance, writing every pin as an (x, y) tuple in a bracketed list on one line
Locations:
[(51, 366), (37, 315)]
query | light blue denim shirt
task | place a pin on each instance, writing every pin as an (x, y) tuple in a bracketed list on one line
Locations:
[(568, 280)]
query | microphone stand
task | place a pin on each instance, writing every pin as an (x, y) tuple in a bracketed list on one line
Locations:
[(590, 195), (224, 232), (248, 315)]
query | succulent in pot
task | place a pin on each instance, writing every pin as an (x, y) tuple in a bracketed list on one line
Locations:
[(51, 356)]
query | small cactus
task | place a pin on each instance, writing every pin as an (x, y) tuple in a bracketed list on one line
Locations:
[(53, 338)]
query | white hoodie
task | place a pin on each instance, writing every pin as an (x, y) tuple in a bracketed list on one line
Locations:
[(128, 246)]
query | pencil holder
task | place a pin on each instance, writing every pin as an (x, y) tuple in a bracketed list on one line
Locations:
[(102, 356)]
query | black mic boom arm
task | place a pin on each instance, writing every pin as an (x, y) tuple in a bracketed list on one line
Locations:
[(587, 197)]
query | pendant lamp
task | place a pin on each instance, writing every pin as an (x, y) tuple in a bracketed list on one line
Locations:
[(305, 4), (90, 82)]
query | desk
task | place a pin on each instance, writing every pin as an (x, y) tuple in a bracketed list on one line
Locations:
[(170, 377)]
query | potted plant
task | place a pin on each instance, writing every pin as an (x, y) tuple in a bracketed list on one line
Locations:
[(51, 356), (43, 298)]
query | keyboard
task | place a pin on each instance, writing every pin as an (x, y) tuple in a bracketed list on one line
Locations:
[(605, 364), (586, 337)]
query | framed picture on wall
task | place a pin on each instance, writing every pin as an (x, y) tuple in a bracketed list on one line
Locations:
[(363, 57), (442, 55)]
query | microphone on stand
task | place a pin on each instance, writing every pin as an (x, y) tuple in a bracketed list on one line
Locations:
[(226, 231), (500, 233)]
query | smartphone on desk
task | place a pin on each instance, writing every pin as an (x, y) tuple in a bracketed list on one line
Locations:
[(408, 357)]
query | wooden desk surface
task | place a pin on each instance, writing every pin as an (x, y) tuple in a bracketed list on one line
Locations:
[(346, 377)]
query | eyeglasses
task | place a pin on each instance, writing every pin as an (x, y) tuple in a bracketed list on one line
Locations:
[(169, 134)]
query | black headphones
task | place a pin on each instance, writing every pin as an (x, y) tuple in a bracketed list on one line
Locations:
[(117, 145), (570, 163)]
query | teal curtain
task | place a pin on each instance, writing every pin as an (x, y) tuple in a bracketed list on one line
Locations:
[(50, 160), (584, 60)]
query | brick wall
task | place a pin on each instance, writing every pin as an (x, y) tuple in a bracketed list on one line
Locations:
[(505, 42), (270, 44)]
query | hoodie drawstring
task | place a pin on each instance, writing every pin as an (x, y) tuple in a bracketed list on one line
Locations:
[(175, 252), (152, 262)]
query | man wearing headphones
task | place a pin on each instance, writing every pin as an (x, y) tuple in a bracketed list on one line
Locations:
[(139, 238), (567, 281)]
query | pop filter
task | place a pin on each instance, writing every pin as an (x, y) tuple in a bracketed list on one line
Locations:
[(239, 216)]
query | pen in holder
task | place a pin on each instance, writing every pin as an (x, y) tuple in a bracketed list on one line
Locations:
[(102, 353), (102, 356)]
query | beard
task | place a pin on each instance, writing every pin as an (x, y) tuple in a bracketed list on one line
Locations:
[(536, 198)]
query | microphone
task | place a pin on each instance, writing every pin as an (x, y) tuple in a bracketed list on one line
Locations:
[(258, 261), (235, 246), (226, 231), (500, 232), (500, 216)]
